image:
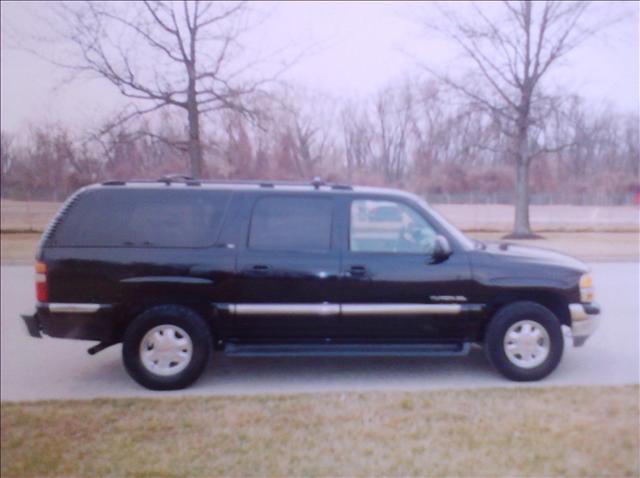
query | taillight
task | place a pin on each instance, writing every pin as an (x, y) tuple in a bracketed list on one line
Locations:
[(42, 291)]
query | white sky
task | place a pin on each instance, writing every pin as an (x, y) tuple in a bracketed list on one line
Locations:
[(358, 48)]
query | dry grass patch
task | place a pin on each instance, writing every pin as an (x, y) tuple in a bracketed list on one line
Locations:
[(550, 217), (18, 247), (25, 216), (574, 431), (588, 246)]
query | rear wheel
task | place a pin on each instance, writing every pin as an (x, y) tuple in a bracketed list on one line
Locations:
[(166, 347), (524, 341)]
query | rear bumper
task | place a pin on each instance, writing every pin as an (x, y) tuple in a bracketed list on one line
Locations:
[(74, 321), (585, 319)]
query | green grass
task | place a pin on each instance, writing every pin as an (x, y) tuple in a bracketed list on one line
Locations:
[(573, 431)]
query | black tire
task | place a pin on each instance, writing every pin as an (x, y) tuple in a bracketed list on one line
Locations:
[(172, 315), (498, 327)]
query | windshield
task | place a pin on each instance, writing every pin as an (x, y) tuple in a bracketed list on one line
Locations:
[(451, 229)]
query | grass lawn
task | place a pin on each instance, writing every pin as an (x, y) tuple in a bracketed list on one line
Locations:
[(572, 431)]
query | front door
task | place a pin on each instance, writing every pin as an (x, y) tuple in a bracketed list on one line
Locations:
[(391, 287), (288, 269)]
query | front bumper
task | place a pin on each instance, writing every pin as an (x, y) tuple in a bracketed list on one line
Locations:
[(585, 319)]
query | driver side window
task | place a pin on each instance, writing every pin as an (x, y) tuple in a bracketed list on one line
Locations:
[(389, 227)]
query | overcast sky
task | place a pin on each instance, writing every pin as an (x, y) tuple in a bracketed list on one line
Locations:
[(358, 48)]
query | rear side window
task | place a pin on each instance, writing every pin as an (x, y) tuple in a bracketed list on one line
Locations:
[(293, 223), (143, 218)]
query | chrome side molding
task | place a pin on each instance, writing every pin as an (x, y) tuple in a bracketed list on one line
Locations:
[(284, 309), (326, 309), (400, 309), (74, 308)]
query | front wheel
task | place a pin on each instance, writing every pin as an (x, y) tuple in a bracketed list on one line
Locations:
[(524, 341), (166, 347)]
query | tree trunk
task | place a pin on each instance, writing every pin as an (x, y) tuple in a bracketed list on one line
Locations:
[(195, 147), (521, 225)]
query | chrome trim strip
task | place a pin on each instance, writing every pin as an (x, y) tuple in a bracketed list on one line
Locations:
[(399, 309), (348, 309), (74, 308), (285, 309), (344, 309)]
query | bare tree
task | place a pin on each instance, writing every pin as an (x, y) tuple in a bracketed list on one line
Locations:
[(393, 120), (510, 54), (7, 159), (357, 137), (164, 55), (310, 142)]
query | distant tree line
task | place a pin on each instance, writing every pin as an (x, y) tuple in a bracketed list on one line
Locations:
[(414, 135), (493, 126)]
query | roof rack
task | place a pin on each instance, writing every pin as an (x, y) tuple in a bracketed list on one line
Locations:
[(181, 178), (169, 179)]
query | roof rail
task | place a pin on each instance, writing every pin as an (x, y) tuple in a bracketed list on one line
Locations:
[(169, 179), (317, 182)]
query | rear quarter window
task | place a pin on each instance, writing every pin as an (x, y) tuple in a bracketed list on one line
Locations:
[(142, 218)]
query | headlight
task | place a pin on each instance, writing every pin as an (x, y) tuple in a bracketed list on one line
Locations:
[(586, 288)]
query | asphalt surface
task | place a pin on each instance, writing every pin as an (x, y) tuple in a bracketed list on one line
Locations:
[(36, 369)]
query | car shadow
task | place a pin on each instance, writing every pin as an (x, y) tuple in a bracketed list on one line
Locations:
[(276, 374)]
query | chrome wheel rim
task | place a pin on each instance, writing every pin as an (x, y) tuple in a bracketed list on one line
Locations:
[(527, 344), (166, 350)]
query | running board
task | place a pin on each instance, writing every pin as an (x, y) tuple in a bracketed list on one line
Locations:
[(346, 350)]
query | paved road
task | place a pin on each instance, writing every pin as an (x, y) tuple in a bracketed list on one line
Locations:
[(33, 369)]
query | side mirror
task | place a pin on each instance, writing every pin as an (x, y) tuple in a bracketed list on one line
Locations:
[(441, 249)]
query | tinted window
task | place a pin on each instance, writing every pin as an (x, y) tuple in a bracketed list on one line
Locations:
[(386, 226), (292, 223), (143, 218)]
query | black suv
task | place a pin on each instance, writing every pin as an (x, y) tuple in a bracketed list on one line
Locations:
[(176, 268)]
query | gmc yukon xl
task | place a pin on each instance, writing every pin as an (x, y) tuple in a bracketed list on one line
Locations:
[(177, 268)]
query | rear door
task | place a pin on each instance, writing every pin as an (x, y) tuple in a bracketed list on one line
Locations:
[(287, 269)]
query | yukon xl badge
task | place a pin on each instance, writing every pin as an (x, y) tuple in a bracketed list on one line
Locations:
[(448, 298)]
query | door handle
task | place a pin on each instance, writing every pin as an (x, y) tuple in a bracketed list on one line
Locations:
[(260, 269), (357, 271)]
